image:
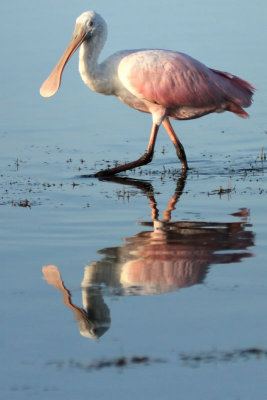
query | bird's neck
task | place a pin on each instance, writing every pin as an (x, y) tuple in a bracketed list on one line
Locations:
[(91, 72)]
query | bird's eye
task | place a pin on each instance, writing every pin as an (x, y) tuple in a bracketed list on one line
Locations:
[(90, 24)]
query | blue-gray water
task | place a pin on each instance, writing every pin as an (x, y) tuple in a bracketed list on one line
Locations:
[(180, 305)]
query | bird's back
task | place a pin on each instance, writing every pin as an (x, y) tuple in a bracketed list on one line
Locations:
[(174, 80)]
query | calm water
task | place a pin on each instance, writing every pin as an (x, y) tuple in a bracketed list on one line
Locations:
[(152, 285)]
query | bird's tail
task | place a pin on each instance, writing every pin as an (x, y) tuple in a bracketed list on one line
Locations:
[(238, 92), (234, 108)]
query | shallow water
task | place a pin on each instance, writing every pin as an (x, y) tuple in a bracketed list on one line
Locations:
[(162, 276)]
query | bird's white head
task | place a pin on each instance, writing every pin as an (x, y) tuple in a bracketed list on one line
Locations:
[(92, 23), (89, 26)]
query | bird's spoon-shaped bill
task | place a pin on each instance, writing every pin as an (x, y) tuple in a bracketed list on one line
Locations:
[(52, 83)]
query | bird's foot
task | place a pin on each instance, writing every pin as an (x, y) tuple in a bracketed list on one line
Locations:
[(143, 160)]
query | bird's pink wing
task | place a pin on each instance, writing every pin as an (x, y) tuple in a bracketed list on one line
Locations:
[(174, 79)]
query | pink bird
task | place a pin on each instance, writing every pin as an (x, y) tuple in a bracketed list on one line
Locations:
[(166, 84)]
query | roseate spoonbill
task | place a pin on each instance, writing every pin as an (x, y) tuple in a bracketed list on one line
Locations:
[(160, 82)]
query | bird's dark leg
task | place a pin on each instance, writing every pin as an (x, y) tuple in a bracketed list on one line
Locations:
[(145, 159), (177, 144)]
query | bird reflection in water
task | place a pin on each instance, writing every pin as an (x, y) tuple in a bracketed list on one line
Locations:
[(170, 256)]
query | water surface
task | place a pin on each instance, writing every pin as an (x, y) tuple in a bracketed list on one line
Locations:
[(152, 284)]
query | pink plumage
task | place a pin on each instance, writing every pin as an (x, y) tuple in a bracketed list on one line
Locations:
[(179, 83), (160, 82)]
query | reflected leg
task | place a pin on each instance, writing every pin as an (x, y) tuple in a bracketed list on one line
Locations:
[(175, 198)]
